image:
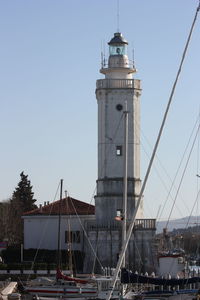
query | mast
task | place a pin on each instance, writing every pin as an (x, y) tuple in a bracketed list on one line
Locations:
[(125, 180), (69, 237), (59, 225)]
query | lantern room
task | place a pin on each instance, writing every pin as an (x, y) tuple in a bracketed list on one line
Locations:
[(118, 45)]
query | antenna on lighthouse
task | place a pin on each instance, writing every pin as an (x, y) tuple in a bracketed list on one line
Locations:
[(102, 54), (133, 57), (117, 15), (103, 60)]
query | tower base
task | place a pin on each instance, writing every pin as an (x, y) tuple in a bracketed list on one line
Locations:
[(106, 244)]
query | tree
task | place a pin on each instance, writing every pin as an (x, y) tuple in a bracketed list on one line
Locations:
[(22, 201), (23, 194), (4, 219)]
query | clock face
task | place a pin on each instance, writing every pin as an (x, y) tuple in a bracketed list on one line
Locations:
[(119, 107)]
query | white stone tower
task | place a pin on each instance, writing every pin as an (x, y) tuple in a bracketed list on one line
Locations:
[(113, 93), (116, 94)]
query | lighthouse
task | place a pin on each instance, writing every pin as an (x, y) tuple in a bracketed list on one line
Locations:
[(116, 94), (118, 99)]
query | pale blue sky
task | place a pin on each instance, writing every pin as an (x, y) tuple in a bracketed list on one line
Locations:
[(49, 64)]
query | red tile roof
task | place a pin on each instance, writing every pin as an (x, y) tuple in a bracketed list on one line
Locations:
[(67, 206)]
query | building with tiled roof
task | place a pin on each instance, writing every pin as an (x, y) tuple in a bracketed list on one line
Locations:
[(66, 206), (41, 224)]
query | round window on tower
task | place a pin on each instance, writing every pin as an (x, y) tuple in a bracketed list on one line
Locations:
[(119, 107)]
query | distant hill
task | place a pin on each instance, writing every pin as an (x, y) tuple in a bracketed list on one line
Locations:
[(178, 223)]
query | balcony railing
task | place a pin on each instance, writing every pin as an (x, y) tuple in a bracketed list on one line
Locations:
[(118, 83), (140, 224), (127, 63), (144, 224)]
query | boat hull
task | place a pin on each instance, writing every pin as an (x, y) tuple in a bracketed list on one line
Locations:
[(73, 292)]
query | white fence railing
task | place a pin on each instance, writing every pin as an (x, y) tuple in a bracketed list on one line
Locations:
[(118, 83), (29, 272)]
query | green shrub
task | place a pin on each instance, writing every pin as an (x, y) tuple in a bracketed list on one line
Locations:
[(13, 266), (27, 266), (3, 267), (11, 255), (52, 266), (40, 266), (44, 259)]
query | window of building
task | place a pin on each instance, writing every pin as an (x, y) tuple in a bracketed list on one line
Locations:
[(119, 150), (77, 237), (68, 237), (72, 237)]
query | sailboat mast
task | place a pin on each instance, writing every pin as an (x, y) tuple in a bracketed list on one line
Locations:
[(125, 180), (59, 225), (69, 237)]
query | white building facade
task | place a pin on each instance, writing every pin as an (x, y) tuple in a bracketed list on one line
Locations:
[(41, 231)]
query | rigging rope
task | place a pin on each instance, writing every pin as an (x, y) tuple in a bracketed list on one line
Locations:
[(178, 169), (85, 233), (196, 200), (198, 191), (152, 158), (44, 229), (183, 175), (197, 174), (159, 175)]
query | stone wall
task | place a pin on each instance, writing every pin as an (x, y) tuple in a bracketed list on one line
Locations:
[(106, 244)]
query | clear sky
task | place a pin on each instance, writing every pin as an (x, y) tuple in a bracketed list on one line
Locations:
[(49, 63)]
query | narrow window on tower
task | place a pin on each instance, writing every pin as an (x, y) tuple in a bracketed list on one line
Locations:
[(119, 150)]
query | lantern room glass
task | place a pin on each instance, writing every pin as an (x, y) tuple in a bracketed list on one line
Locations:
[(118, 50)]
